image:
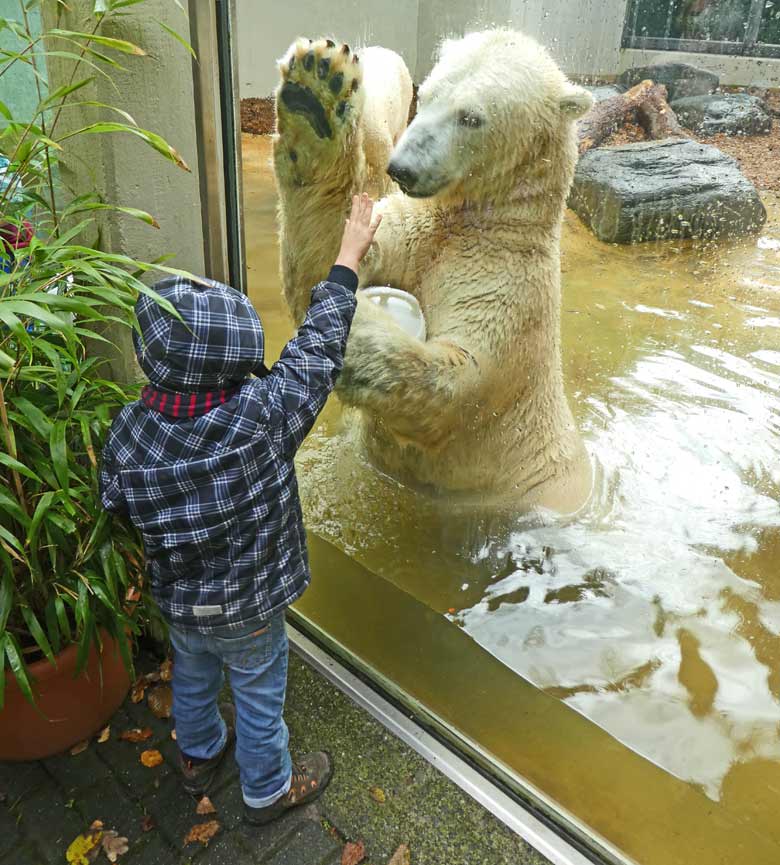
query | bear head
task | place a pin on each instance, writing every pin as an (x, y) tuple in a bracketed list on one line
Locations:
[(495, 120)]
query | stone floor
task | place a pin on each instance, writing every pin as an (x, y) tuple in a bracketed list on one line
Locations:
[(383, 795)]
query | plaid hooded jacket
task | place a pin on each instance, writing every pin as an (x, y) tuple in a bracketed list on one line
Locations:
[(202, 464)]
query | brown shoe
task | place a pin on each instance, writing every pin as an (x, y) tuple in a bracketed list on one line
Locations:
[(199, 774), (309, 778)]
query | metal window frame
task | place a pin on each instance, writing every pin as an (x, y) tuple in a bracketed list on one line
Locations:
[(218, 131), (748, 47)]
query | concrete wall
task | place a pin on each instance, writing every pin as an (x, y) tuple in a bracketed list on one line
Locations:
[(157, 90), (583, 35), (739, 71), (17, 86), (267, 29)]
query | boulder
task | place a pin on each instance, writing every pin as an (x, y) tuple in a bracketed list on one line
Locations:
[(600, 92), (680, 79), (659, 190), (731, 113)]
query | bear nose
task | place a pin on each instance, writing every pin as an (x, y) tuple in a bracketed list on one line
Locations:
[(404, 176)]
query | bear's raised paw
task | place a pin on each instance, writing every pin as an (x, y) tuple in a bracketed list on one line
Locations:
[(320, 91)]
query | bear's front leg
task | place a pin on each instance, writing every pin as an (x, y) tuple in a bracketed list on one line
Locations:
[(318, 159), (419, 389)]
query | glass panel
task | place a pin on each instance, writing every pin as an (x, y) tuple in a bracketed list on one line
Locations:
[(560, 537), (769, 31)]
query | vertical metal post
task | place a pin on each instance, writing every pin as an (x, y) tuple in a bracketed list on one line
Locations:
[(753, 25), (231, 140), (212, 25)]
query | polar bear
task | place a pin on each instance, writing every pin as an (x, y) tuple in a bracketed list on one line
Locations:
[(473, 233)]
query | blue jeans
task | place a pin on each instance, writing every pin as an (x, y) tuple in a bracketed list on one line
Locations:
[(257, 662)]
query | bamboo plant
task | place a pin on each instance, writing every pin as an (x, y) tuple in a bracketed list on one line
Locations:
[(68, 572)]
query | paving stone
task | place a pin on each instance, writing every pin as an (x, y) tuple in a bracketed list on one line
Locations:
[(124, 758), (265, 841), (229, 803), (24, 856), (173, 811), (110, 802), (47, 821), (310, 844), (229, 849), (76, 773), (9, 831), (18, 779), (141, 716), (150, 850)]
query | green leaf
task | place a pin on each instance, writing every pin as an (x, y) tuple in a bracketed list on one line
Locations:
[(8, 460), (10, 505), (121, 45), (180, 39), (6, 111), (36, 632), (142, 215), (61, 93), (53, 625), (44, 503), (18, 667), (38, 311), (62, 618), (85, 641), (2, 671), (6, 598), (59, 452), (152, 139), (37, 419)]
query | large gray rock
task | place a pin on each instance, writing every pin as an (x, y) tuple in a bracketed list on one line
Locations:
[(732, 113), (680, 79), (657, 190), (600, 92)]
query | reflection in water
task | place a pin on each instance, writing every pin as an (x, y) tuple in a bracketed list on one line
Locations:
[(656, 611)]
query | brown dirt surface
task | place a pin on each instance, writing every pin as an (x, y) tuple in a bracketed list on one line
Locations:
[(758, 155), (258, 115)]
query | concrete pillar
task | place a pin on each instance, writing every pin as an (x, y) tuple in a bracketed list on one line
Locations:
[(157, 91)]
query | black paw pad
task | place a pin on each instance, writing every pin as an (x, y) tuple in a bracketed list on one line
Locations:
[(291, 64), (300, 100), (336, 83), (322, 67), (345, 49), (355, 85), (293, 156), (330, 43), (341, 108), (308, 61)]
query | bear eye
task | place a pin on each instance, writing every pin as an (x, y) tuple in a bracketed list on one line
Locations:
[(469, 119)]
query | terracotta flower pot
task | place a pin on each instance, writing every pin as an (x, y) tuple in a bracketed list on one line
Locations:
[(69, 709)]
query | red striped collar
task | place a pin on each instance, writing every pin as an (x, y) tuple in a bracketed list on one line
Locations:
[(185, 405)]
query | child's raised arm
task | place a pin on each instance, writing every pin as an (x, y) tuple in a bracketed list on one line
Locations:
[(301, 380)]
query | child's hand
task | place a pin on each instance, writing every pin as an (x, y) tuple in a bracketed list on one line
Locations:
[(358, 232)]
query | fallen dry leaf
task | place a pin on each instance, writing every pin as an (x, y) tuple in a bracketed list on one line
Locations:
[(160, 701), (84, 848), (97, 826), (202, 833), (138, 690), (79, 747), (205, 806), (166, 670), (147, 824), (377, 794), (152, 677), (353, 853), (402, 856), (114, 845), (173, 734), (136, 734), (105, 734), (150, 759)]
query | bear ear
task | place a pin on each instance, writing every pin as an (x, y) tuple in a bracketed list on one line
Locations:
[(575, 101)]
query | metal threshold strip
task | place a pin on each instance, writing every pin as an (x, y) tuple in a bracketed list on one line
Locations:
[(475, 784)]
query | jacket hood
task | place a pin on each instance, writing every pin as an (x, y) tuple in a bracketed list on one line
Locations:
[(217, 344)]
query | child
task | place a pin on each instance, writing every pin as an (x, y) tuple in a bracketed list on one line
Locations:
[(202, 464)]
